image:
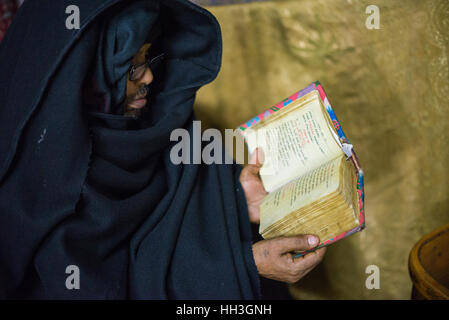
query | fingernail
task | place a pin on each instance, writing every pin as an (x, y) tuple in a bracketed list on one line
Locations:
[(312, 240)]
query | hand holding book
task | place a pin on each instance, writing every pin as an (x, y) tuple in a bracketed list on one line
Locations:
[(310, 171), (275, 261)]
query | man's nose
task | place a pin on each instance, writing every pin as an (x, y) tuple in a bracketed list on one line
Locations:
[(147, 77)]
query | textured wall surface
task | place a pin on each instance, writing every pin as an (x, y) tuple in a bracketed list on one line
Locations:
[(389, 89)]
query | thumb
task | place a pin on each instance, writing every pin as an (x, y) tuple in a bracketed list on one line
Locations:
[(257, 158), (255, 162), (297, 243)]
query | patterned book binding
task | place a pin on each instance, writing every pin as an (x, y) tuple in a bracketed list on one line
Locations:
[(343, 140)]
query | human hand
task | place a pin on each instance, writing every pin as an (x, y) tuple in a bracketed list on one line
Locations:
[(274, 259), (252, 185)]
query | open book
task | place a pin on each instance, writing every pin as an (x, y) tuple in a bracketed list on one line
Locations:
[(311, 172)]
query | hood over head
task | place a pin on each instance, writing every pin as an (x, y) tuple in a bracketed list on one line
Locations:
[(31, 57), (123, 33)]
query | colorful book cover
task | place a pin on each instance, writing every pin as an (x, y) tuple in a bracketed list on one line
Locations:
[(343, 140)]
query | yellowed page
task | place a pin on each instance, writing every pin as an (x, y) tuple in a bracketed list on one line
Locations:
[(294, 143), (300, 192)]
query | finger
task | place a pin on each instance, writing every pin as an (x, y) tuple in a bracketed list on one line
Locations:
[(320, 251), (255, 163), (298, 243), (310, 260), (250, 171), (297, 268), (257, 158)]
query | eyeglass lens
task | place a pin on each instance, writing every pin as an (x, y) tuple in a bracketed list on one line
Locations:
[(138, 72)]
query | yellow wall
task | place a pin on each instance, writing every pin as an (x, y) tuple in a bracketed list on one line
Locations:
[(389, 89)]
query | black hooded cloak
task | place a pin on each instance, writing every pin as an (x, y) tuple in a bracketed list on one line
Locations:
[(99, 190)]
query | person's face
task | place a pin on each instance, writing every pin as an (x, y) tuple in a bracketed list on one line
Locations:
[(135, 92)]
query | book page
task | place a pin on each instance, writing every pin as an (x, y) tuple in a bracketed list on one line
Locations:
[(294, 144), (300, 192)]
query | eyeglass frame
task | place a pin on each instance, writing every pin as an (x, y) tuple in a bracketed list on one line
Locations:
[(148, 64)]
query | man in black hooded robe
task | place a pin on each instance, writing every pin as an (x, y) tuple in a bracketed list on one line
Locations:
[(86, 187)]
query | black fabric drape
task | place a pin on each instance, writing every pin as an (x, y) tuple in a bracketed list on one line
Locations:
[(98, 190)]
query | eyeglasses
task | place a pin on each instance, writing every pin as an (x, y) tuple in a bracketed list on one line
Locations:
[(136, 72)]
